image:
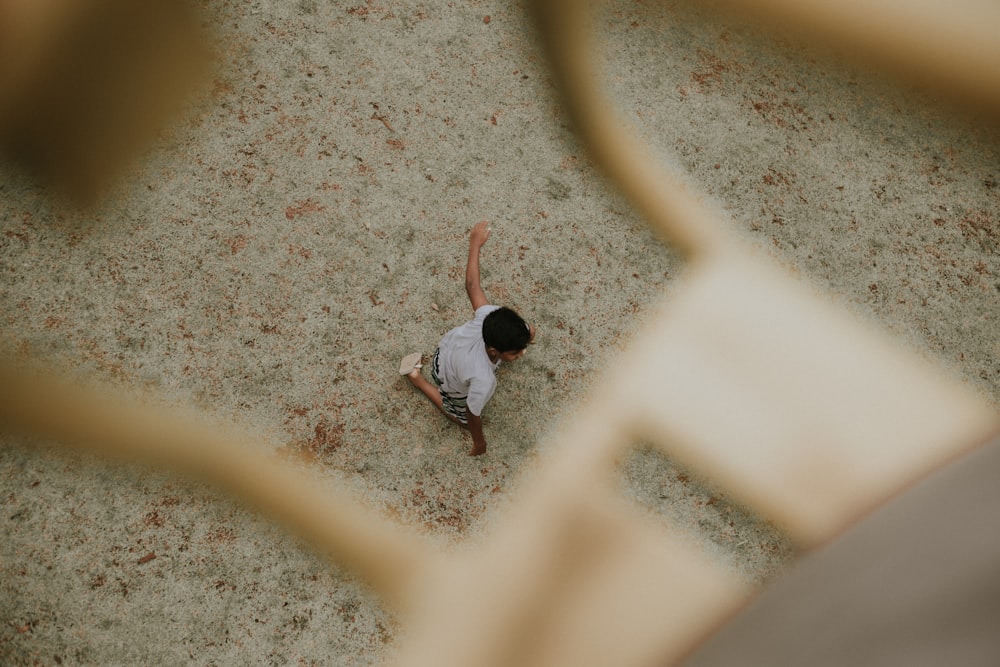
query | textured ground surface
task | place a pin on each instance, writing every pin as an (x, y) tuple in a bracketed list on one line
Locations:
[(279, 251)]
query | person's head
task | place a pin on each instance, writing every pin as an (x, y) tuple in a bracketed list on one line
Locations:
[(506, 334)]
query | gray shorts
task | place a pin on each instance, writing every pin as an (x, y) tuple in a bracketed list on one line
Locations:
[(453, 404)]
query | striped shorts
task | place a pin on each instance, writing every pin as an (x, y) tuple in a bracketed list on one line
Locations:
[(453, 404)]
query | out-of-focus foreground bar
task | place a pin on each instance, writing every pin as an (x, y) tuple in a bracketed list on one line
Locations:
[(85, 85)]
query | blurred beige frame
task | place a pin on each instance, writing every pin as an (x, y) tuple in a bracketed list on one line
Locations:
[(85, 85), (754, 380)]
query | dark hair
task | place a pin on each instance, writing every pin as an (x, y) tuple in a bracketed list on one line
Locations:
[(504, 330)]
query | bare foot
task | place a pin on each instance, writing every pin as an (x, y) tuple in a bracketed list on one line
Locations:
[(477, 451)]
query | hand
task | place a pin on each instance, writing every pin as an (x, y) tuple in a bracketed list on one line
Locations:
[(475, 425), (479, 234)]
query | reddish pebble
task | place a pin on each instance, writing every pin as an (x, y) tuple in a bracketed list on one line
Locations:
[(486, 19)]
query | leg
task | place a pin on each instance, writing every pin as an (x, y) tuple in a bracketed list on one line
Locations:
[(431, 392)]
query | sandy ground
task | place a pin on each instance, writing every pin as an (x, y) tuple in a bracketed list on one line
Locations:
[(279, 251)]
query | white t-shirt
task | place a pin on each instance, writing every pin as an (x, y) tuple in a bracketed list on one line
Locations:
[(463, 365)]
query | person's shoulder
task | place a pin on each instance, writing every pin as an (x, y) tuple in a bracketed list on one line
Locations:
[(483, 374), (483, 311)]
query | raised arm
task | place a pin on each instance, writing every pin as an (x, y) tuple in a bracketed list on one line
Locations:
[(477, 237)]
